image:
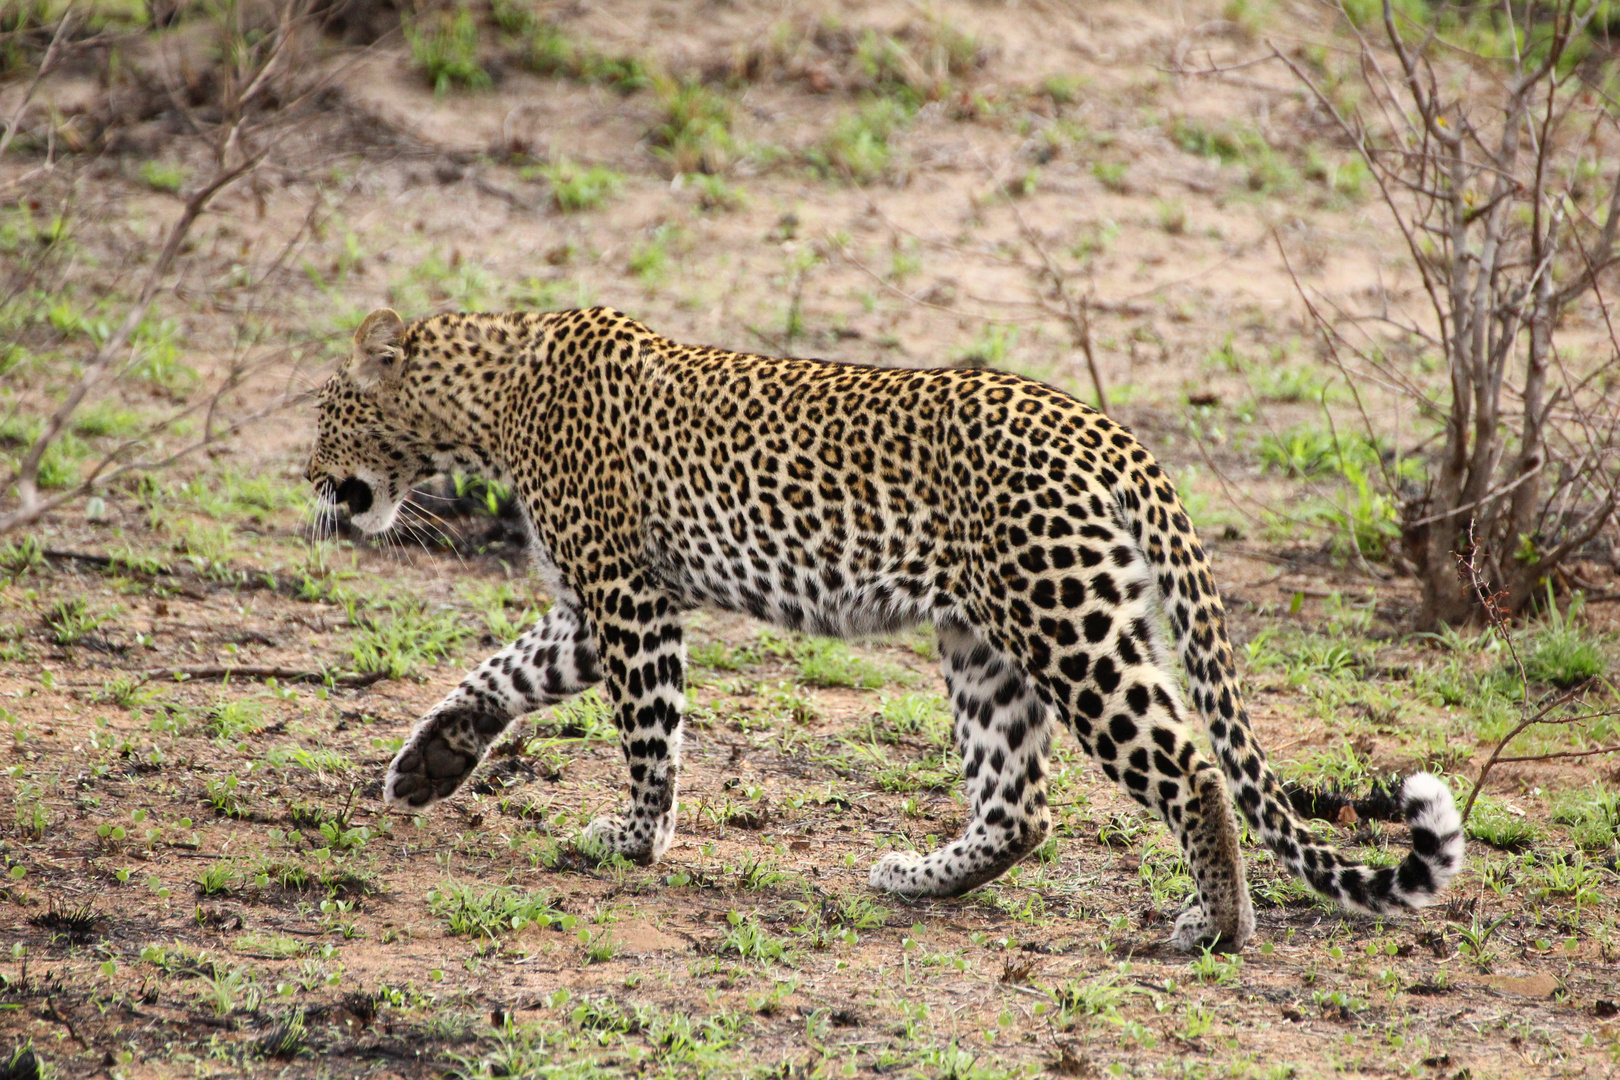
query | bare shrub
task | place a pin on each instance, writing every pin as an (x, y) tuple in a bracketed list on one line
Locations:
[(1492, 167), (78, 345)]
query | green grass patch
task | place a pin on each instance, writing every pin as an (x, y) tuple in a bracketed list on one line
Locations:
[(1592, 816), (751, 942), (576, 187), (549, 50), (444, 47), (588, 717), (915, 717), (407, 637), (829, 662), (857, 148), (1493, 823), (1312, 451), (694, 130), (493, 913), (1561, 651), (1266, 171), (69, 620)]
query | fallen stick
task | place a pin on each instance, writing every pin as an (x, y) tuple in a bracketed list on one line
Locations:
[(251, 671)]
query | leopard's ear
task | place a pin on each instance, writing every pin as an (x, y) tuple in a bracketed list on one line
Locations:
[(378, 360)]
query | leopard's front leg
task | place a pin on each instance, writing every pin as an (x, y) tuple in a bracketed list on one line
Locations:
[(552, 662), (644, 667)]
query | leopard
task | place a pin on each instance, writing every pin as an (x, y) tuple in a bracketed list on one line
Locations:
[(1049, 551)]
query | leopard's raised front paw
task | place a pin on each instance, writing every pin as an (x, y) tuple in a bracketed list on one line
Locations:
[(442, 753), (422, 775), (899, 872), (612, 834)]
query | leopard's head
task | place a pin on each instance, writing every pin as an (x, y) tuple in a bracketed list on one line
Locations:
[(372, 445)]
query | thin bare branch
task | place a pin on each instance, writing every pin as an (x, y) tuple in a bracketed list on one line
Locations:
[(26, 472), (46, 63)]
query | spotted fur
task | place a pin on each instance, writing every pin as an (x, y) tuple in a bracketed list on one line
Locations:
[(1039, 537)]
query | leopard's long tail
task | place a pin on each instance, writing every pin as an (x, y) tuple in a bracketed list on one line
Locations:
[(1149, 506)]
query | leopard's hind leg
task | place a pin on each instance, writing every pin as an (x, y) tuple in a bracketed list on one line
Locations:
[(1003, 732), (1111, 687)]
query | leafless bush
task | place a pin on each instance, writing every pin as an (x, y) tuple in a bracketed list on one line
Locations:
[(230, 117), (1492, 169)]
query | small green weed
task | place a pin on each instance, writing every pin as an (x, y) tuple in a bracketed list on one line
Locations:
[(70, 620), (717, 655), (1339, 764), (748, 941), (1367, 520), (694, 134), (829, 662), (225, 990), (222, 794), (1592, 816), (284, 1041), (412, 635), (1062, 89), (444, 45), (1574, 877), (1561, 653), (1493, 823), (19, 557), (1215, 969), (105, 419), (494, 912), (541, 295), (1112, 175), (755, 873), (1347, 176), (1099, 997), (233, 719), (857, 147), (1166, 878), (461, 282), (600, 948), (917, 715), (548, 50), (161, 176), (917, 65), (1287, 383), (990, 349), (588, 717), (1172, 216), (1313, 451), (125, 691), (266, 946), (577, 187), (650, 257), (713, 193), (1267, 171), (217, 880)]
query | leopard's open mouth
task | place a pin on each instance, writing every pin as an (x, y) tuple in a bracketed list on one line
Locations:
[(356, 493)]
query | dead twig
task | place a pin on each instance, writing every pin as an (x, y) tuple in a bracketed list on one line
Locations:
[(225, 673), (46, 63), (1075, 310), (1496, 615), (25, 476)]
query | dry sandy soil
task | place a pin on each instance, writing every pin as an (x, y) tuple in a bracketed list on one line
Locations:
[(200, 698)]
